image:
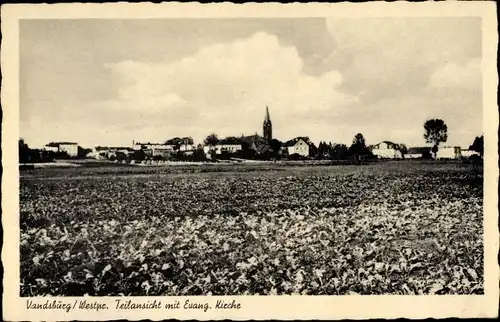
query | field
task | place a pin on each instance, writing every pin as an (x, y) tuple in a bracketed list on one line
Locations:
[(389, 228)]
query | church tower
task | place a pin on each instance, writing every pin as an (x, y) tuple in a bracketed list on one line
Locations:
[(268, 126)]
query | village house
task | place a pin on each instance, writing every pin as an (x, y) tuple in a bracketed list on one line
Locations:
[(70, 148), (258, 144), (299, 145), (187, 148), (99, 152), (229, 145), (152, 146), (154, 149), (387, 150), (106, 152)]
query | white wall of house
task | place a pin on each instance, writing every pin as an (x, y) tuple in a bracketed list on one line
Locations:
[(124, 151), (383, 146), (413, 155), (231, 148), (300, 148), (161, 152), (152, 146), (99, 153), (187, 147), (51, 148), (70, 149), (387, 153), (468, 153)]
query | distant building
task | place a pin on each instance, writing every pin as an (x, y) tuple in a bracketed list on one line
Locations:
[(252, 142), (449, 152), (70, 148), (229, 145), (106, 152), (264, 149), (150, 148), (51, 148), (100, 152), (187, 147), (298, 145), (418, 153), (465, 153), (387, 150), (256, 143), (161, 152)]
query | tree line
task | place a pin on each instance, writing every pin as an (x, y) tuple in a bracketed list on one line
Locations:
[(28, 155), (435, 133)]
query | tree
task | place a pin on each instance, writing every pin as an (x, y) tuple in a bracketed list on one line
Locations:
[(359, 140), (188, 140), (402, 148), (358, 148), (211, 139), (339, 152), (199, 154), (83, 152), (139, 155), (323, 151), (24, 151), (120, 156), (275, 146), (247, 152), (436, 132), (478, 145), (176, 142)]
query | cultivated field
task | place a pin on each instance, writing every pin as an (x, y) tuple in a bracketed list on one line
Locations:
[(390, 228)]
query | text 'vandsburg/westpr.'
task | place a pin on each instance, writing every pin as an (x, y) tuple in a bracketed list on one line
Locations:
[(66, 306)]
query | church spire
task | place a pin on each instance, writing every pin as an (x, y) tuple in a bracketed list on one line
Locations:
[(267, 127)]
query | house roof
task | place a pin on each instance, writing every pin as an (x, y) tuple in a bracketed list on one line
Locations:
[(57, 144), (229, 141), (104, 148), (263, 148), (254, 139), (418, 150), (179, 140), (294, 141), (389, 143)]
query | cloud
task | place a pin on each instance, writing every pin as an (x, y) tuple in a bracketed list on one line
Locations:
[(391, 57), (328, 79), (223, 87), (453, 75)]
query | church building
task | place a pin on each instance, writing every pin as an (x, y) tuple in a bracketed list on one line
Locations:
[(267, 127)]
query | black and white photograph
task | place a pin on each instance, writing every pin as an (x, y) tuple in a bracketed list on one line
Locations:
[(260, 155)]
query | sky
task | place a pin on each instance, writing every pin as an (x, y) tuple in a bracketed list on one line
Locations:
[(111, 82)]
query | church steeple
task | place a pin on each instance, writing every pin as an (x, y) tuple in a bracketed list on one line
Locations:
[(268, 126)]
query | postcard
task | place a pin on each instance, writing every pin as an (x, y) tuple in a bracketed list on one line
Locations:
[(249, 161)]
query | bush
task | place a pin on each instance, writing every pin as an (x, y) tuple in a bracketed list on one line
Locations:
[(475, 159), (296, 157)]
